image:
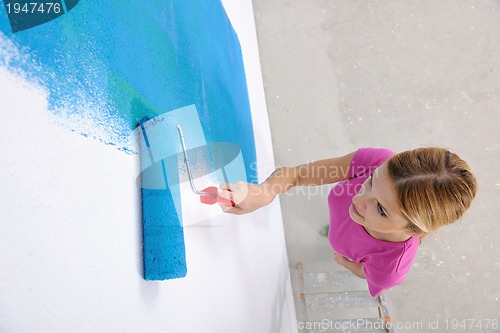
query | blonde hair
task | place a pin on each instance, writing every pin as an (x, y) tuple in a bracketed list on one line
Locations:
[(434, 187)]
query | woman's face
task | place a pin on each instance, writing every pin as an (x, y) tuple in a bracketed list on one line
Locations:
[(375, 208)]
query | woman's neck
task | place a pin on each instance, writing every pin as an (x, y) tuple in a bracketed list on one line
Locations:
[(395, 237)]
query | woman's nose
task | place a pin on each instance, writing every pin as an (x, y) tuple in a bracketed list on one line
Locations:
[(357, 199), (360, 199), (362, 189)]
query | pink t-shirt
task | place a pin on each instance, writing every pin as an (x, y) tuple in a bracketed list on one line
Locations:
[(385, 263)]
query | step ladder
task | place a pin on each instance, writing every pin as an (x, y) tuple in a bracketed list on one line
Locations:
[(339, 302)]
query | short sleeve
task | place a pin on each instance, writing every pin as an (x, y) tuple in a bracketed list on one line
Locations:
[(380, 281), (366, 160)]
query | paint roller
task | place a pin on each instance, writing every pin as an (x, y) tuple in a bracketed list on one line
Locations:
[(163, 237), (164, 255), (210, 194)]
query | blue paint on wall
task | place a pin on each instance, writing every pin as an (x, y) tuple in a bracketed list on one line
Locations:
[(141, 59), (118, 62)]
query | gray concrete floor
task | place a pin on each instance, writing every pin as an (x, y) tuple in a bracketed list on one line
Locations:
[(340, 75)]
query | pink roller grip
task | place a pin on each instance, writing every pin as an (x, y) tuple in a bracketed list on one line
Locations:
[(214, 197)]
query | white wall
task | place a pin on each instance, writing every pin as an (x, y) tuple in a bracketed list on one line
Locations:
[(71, 232)]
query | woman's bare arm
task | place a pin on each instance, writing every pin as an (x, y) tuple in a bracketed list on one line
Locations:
[(356, 268), (249, 197)]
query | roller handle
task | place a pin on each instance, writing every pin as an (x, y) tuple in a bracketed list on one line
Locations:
[(214, 197)]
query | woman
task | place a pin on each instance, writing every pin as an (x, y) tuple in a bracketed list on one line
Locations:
[(381, 207)]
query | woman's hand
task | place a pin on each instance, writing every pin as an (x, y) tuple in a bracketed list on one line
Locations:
[(247, 197), (356, 268), (341, 260)]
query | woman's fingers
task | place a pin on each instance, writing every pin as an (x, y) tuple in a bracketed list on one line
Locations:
[(226, 208), (231, 210), (338, 258), (225, 186), (226, 194), (247, 197), (234, 192)]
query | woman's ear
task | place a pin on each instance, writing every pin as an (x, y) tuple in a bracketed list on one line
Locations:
[(420, 234), (412, 230)]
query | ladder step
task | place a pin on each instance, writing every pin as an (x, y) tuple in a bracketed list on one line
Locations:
[(341, 305), (361, 325), (338, 301), (333, 282), (341, 314), (341, 300)]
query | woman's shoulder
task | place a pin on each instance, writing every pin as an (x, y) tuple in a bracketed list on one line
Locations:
[(388, 269), (395, 258), (367, 159)]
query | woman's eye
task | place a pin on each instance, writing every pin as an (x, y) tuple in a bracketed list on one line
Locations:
[(381, 210)]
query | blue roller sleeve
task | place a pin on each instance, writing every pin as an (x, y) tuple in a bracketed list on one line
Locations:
[(163, 237)]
